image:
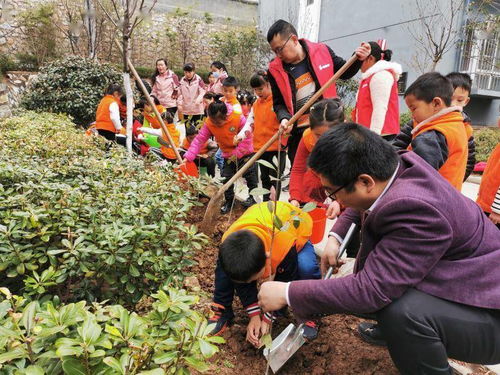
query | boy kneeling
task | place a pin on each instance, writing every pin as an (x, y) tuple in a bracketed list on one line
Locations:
[(249, 252)]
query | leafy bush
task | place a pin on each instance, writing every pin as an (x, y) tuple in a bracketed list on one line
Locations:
[(73, 85), (404, 118), (486, 140), (52, 338), (83, 222), (6, 63)]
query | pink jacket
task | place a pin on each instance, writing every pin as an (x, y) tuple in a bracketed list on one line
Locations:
[(217, 86), (165, 86), (244, 148), (190, 100)]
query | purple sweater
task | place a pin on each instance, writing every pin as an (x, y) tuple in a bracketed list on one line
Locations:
[(422, 234)]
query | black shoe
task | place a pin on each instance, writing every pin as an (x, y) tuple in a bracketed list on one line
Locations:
[(371, 333), (286, 188), (249, 202), (221, 317), (226, 207)]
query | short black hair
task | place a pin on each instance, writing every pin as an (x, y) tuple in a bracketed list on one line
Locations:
[(217, 108), (259, 79), (167, 117), (431, 85), (242, 255), (210, 95), (281, 27), (189, 67), (349, 150), (114, 87), (191, 130), (462, 80), (231, 81)]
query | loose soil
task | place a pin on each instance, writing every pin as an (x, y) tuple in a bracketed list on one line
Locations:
[(337, 350)]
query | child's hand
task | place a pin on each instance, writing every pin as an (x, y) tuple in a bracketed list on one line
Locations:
[(333, 210), (495, 218), (286, 126), (236, 140), (253, 330), (295, 203), (264, 328)]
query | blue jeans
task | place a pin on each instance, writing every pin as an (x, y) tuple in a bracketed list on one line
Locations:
[(219, 159), (308, 263)]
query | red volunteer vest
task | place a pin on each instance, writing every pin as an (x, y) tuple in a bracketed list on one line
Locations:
[(364, 107), (322, 64)]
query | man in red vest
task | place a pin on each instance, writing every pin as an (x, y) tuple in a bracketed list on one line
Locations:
[(300, 68)]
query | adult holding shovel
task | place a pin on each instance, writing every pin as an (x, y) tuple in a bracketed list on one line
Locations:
[(300, 68), (426, 267)]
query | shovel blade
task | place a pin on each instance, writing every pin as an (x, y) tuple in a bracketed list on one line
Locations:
[(284, 346)]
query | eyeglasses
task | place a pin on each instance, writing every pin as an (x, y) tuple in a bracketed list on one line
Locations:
[(278, 50), (331, 195)]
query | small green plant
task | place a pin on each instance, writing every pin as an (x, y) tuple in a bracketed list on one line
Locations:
[(72, 85), (52, 338), (486, 140), (404, 118)]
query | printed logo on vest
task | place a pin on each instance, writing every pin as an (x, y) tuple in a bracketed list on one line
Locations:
[(321, 67), (232, 129)]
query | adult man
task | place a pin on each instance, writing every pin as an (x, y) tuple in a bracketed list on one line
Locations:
[(428, 264), (300, 68)]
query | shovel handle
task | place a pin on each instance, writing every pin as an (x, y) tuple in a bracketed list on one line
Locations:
[(342, 249), (294, 118)]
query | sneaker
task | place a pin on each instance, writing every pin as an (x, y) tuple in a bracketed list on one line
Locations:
[(226, 207), (221, 317), (310, 330), (248, 202), (371, 333)]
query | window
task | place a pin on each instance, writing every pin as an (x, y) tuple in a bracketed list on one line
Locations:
[(402, 83)]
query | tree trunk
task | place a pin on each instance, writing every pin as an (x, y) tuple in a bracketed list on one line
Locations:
[(90, 24)]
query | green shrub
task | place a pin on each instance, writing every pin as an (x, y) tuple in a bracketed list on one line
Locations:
[(73, 85), (404, 118), (486, 140), (85, 223), (6, 63), (51, 338)]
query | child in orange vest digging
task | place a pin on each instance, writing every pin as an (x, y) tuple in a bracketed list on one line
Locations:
[(249, 252), (439, 135), (107, 121), (206, 156), (489, 190), (223, 124), (263, 123)]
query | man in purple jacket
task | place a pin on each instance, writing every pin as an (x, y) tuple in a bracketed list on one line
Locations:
[(428, 267)]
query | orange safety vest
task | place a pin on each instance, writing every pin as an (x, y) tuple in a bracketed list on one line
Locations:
[(224, 134), (490, 181), (103, 115), (167, 151), (265, 123), (451, 125), (259, 220), (152, 119)]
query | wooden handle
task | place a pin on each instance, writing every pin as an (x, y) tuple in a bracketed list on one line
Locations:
[(294, 118), (152, 104)]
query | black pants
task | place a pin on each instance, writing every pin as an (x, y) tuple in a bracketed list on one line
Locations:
[(111, 136), (266, 173), (230, 169), (293, 143), (208, 163), (423, 331), (287, 270)]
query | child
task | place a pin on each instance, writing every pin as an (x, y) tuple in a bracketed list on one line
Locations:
[(208, 98), (230, 89), (107, 120), (223, 124), (263, 123), (249, 253), (219, 72), (489, 190), (190, 99), (462, 84), (246, 99), (439, 135), (211, 82), (150, 119), (305, 186), (205, 157), (166, 149)]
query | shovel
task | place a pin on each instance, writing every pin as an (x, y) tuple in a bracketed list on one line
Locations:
[(213, 209), (291, 339)]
